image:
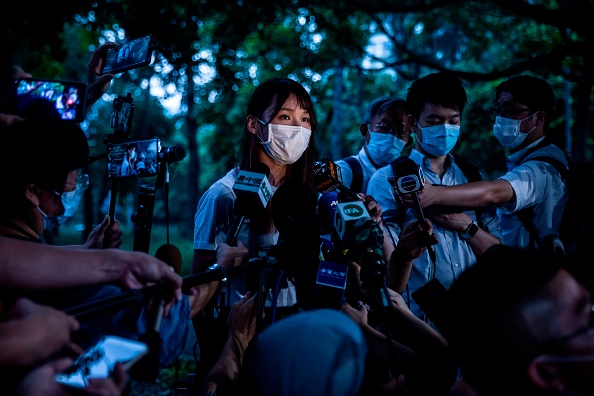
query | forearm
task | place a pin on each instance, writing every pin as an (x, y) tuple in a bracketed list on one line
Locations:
[(399, 268), (482, 241), (473, 195), (224, 374)]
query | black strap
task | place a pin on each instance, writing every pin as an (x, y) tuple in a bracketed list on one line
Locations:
[(526, 215), (357, 170)]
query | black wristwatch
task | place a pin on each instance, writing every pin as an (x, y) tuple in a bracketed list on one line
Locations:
[(471, 230)]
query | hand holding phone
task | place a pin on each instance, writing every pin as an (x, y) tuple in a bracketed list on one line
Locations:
[(100, 360)]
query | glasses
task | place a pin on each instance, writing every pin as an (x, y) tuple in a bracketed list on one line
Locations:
[(391, 129), (82, 183), (507, 112)]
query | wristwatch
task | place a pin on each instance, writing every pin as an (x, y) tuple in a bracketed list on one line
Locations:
[(471, 230)]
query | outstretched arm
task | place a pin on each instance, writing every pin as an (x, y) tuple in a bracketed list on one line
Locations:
[(472, 195)]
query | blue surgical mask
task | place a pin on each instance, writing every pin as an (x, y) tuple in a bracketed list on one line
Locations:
[(383, 148), (507, 131), (438, 140), (49, 222), (71, 199)]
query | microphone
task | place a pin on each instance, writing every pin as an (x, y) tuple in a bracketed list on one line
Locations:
[(252, 189), (319, 283), (328, 177), (409, 179)]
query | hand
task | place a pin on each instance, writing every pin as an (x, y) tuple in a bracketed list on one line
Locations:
[(414, 240), (41, 382), (10, 119), (139, 269), (231, 256), (453, 221), (242, 320), (97, 85), (360, 316), (373, 208), (425, 196), (105, 235), (48, 330)]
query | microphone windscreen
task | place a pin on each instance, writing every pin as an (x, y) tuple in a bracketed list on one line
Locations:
[(171, 255), (327, 209), (294, 200)]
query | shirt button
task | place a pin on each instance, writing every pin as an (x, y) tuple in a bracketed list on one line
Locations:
[(455, 265)]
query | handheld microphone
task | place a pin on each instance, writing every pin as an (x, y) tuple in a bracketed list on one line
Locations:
[(328, 177), (252, 189), (409, 179)]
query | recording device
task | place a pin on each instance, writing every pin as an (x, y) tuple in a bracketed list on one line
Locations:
[(328, 177), (100, 360), (432, 298), (126, 56), (364, 242), (139, 158), (67, 98), (253, 191), (122, 113), (409, 179)]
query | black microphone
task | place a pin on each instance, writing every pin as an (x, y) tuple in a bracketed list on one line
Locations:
[(328, 177), (409, 179), (319, 283), (253, 191)]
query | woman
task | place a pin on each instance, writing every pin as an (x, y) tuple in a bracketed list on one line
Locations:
[(279, 132)]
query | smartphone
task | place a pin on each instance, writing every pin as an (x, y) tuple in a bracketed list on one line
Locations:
[(129, 55), (432, 299), (67, 98), (138, 158), (99, 360)]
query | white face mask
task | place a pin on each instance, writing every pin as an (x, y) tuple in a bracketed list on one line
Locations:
[(286, 143), (384, 148), (507, 131)]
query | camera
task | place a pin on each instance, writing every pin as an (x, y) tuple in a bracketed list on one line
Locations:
[(67, 98), (130, 55)]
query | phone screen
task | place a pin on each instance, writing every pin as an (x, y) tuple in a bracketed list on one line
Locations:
[(126, 56), (67, 98), (137, 158), (99, 361)]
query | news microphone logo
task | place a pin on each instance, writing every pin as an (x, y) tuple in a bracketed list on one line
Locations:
[(411, 183), (348, 213), (255, 183)]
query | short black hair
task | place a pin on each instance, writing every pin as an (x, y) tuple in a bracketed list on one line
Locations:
[(442, 88), (486, 330), (531, 91), (382, 105), (41, 151)]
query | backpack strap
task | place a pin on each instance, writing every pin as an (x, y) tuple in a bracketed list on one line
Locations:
[(357, 182), (526, 215)]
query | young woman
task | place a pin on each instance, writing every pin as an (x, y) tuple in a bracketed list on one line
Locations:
[(279, 132)]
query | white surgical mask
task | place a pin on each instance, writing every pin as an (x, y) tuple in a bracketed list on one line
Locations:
[(438, 140), (383, 148), (286, 143), (507, 131)]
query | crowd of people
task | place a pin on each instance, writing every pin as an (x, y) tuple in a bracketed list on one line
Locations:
[(444, 290)]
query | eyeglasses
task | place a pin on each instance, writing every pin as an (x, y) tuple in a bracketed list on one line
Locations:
[(82, 183), (507, 111), (391, 129)]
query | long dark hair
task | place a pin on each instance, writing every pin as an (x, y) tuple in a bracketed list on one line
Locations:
[(273, 93)]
